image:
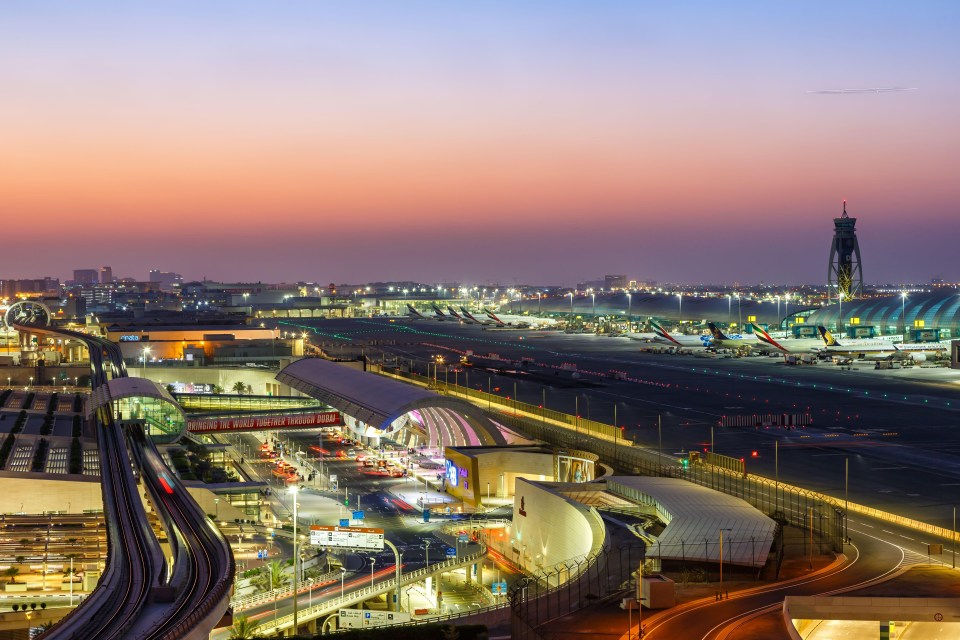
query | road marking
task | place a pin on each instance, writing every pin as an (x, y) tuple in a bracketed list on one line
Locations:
[(907, 538), (890, 532)]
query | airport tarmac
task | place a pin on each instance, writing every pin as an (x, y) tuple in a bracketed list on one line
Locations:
[(896, 427)]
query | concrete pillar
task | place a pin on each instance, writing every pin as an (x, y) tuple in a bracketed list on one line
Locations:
[(479, 567), (312, 626), (469, 574)]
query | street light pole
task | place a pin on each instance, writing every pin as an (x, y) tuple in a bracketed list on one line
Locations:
[(721, 561), (296, 575), (343, 573), (373, 562)]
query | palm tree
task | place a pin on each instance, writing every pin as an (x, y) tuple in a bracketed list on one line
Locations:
[(243, 628), (239, 387), (215, 388), (11, 572), (274, 576)]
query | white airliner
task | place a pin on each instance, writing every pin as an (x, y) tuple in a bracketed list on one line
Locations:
[(787, 345), (860, 347), (520, 322), (413, 313), (662, 336), (733, 341)]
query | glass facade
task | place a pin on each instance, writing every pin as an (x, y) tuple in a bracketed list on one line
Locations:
[(164, 420)]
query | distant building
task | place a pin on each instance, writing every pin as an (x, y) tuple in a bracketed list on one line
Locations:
[(614, 282), (106, 275), (29, 287), (86, 276), (167, 280)]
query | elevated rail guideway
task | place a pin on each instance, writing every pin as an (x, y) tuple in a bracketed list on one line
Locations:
[(139, 595)]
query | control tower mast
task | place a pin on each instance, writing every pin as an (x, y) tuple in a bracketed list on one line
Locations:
[(844, 274)]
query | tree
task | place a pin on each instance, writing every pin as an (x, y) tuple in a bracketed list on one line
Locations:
[(215, 388), (243, 628), (12, 572), (239, 387), (273, 576)]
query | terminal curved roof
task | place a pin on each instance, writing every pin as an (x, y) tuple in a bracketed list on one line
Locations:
[(379, 402), (695, 515), (666, 306), (937, 309), (119, 388)]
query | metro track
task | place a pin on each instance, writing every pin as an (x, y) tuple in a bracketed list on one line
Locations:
[(135, 562)]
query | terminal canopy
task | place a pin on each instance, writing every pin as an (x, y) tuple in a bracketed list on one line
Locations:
[(144, 400), (386, 405)]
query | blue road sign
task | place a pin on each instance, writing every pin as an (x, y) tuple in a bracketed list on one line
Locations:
[(344, 522), (451, 552), (358, 515)]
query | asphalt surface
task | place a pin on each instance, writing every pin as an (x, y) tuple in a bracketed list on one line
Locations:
[(896, 428)]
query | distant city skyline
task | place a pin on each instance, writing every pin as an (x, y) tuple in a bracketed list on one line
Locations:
[(503, 142)]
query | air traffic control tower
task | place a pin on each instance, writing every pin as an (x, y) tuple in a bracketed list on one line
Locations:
[(843, 273)]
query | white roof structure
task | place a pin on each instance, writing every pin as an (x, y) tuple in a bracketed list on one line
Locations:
[(694, 518), (378, 401), (118, 388)]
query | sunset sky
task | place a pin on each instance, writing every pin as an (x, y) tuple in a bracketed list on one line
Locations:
[(542, 142)]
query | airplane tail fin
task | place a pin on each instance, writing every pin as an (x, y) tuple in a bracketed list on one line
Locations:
[(660, 331), (765, 337), (715, 332), (828, 338)]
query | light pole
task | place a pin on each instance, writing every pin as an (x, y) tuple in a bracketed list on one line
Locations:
[(539, 308), (570, 293), (593, 307), (680, 306), (786, 307), (840, 320), (216, 505), (739, 314), (903, 312), (629, 309), (343, 573), (143, 372), (296, 576), (373, 562), (310, 581), (729, 309), (721, 561), (427, 543)]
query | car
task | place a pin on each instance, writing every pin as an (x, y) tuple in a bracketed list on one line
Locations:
[(351, 453), (367, 463), (361, 457), (398, 473)]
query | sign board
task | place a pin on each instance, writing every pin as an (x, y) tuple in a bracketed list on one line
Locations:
[(357, 515), (344, 522), (359, 618), (463, 538), (451, 553), (263, 422), (346, 537), (498, 588)]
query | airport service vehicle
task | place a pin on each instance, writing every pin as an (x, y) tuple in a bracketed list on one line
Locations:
[(662, 336)]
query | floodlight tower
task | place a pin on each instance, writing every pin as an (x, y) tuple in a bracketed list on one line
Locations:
[(844, 274)]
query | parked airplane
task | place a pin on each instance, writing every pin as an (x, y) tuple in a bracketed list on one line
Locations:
[(413, 313), (470, 317), (733, 341), (862, 348), (457, 316), (506, 320), (787, 345), (690, 342), (439, 314)]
